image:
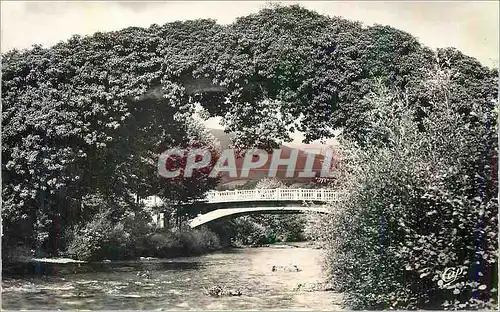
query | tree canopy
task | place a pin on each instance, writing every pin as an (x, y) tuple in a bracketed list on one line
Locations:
[(90, 115)]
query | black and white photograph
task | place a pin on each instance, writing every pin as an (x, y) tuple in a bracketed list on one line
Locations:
[(249, 155)]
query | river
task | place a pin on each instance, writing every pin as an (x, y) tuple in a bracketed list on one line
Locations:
[(178, 284)]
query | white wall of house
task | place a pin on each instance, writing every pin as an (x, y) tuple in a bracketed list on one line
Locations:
[(152, 202)]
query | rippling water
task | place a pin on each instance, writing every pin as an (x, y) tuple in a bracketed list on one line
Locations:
[(178, 283)]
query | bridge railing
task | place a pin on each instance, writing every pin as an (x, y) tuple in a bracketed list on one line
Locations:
[(273, 194)]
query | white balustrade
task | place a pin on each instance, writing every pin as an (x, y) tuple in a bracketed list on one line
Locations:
[(323, 195)]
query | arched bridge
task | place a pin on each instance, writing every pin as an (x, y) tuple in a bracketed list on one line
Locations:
[(221, 204)]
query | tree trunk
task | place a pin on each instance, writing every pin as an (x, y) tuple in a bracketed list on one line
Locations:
[(166, 219)]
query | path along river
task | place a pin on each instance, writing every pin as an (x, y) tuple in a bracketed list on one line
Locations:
[(178, 284)]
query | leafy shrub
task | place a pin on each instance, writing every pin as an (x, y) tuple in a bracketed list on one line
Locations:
[(112, 233), (87, 242), (197, 241), (417, 204), (17, 254), (247, 232), (289, 227), (267, 229), (172, 243)]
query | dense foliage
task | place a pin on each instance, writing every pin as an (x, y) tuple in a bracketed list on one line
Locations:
[(131, 238), (419, 203), (81, 133), (84, 121)]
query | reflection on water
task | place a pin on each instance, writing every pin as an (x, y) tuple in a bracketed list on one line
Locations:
[(178, 283)]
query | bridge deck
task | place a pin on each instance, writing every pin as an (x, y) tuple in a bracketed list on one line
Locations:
[(258, 195), (323, 195)]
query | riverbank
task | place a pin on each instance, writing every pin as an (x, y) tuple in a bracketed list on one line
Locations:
[(48, 266), (304, 244)]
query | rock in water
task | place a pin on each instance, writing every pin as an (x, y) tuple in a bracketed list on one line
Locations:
[(215, 291), (291, 268), (146, 274), (310, 287), (218, 291), (235, 293)]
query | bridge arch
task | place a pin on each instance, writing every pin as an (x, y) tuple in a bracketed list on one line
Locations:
[(221, 213)]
